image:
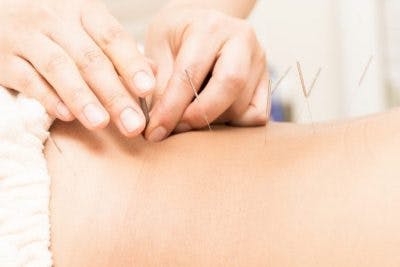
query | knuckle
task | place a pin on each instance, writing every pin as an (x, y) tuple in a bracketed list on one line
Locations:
[(234, 80), (111, 34), (114, 100), (56, 62), (26, 81), (76, 96), (92, 58), (45, 13), (212, 22), (247, 31), (42, 15)]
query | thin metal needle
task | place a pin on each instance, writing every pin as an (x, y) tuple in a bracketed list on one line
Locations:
[(55, 144), (303, 84), (314, 82), (197, 98), (63, 156), (278, 83), (306, 93), (365, 71), (269, 103)]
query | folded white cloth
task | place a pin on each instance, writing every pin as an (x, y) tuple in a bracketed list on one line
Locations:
[(24, 183)]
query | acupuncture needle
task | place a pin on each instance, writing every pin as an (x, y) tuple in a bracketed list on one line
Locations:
[(197, 98), (314, 81), (281, 80), (63, 155), (360, 82), (55, 144), (365, 71), (269, 104), (306, 92)]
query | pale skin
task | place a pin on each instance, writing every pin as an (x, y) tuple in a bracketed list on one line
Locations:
[(80, 63), (285, 195)]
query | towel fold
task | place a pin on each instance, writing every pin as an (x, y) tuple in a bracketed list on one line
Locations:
[(24, 183)]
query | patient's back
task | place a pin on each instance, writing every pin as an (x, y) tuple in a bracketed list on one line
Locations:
[(288, 195)]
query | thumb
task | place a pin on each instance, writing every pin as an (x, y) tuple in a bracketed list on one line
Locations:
[(163, 61)]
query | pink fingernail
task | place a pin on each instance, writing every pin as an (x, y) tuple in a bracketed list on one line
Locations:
[(94, 114), (63, 111), (131, 120), (143, 81)]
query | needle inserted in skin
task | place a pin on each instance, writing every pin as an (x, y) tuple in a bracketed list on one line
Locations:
[(62, 155), (269, 103), (197, 98), (303, 84), (306, 92), (55, 144)]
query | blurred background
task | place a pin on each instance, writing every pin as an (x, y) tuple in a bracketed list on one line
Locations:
[(351, 40)]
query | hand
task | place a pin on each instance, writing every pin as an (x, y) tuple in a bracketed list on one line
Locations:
[(70, 55), (205, 42)]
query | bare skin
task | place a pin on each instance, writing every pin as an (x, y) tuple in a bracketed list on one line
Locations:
[(231, 197), (75, 58), (205, 40)]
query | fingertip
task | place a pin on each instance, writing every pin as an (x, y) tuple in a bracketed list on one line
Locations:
[(157, 129), (183, 127), (144, 83), (63, 113), (133, 123), (95, 117), (157, 135)]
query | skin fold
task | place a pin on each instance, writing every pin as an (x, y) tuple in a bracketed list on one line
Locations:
[(285, 195)]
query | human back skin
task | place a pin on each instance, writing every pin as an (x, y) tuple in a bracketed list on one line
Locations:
[(285, 195)]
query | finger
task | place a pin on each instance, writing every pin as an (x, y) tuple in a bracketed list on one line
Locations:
[(228, 80), (258, 112), (162, 57), (197, 56), (120, 48), (258, 69), (61, 72), (100, 75), (19, 75), (152, 65)]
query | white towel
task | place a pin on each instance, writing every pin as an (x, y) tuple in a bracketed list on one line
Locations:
[(24, 183)]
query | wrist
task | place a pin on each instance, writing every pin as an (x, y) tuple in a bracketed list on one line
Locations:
[(240, 9)]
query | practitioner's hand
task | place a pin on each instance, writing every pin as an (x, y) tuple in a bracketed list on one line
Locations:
[(70, 55), (205, 42)]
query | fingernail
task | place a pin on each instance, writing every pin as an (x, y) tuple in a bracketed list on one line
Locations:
[(143, 81), (94, 114), (158, 134), (63, 111), (183, 127), (130, 119)]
